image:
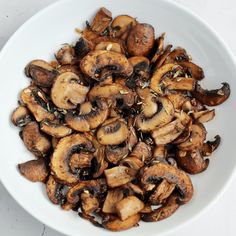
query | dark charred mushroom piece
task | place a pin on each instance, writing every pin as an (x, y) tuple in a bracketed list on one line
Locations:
[(82, 47), (165, 211), (41, 72), (35, 170), (34, 140), (210, 146), (212, 97), (21, 116), (95, 62), (159, 171)]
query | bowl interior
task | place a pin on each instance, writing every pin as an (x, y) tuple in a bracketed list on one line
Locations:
[(42, 35)]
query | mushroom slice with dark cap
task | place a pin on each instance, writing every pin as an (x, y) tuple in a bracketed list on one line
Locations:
[(34, 140), (158, 171), (68, 91), (122, 95), (159, 49), (212, 97), (95, 187), (35, 170), (66, 147), (177, 55), (164, 115), (41, 72), (36, 101), (194, 70), (95, 62), (210, 146), (114, 132), (90, 117), (55, 129), (82, 47), (21, 116)]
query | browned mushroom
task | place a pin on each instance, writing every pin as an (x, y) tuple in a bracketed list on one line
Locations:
[(113, 132), (118, 225), (204, 116), (118, 176), (160, 61), (210, 146), (21, 116), (133, 163), (35, 170), (65, 56), (100, 64), (194, 70), (166, 210), (82, 47), (90, 116), (192, 161), (41, 72), (34, 140), (159, 49), (142, 151), (178, 99), (128, 206), (173, 175), (54, 142), (55, 129), (177, 55), (140, 40), (89, 202), (66, 147), (68, 91), (212, 97), (110, 46), (36, 101)]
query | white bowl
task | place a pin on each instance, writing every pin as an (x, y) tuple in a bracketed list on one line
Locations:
[(43, 34)]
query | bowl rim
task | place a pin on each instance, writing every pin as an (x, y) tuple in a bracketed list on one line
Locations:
[(209, 28)]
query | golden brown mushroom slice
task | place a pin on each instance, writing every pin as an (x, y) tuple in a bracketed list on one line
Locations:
[(142, 151), (173, 175), (165, 211), (196, 138), (204, 116), (35, 170), (34, 140), (91, 116), (114, 92), (178, 99), (121, 25), (54, 142), (140, 41), (116, 224), (55, 129), (113, 132), (65, 55), (89, 203), (194, 70), (192, 161), (159, 49), (36, 101), (212, 97), (177, 55), (21, 116), (128, 206), (68, 91), (66, 147), (133, 163), (41, 72), (110, 46), (100, 64), (164, 115), (210, 146)]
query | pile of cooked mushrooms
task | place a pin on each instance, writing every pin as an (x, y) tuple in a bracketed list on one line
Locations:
[(116, 123)]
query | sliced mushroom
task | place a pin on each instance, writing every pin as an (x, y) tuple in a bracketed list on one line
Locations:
[(140, 40), (128, 206), (55, 129), (160, 61), (113, 196), (80, 160), (204, 116), (185, 134), (118, 176), (118, 225), (65, 56), (123, 96), (82, 47), (161, 193), (101, 20), (41, 72), (133, 163), (210, 146), (196, 138), (35, 170), (90, 116), (110, 46), (95, 63), (95, 187), (192, 161), (169, 132), (160, 153), (113, 133), (37, 103), (159, 49), (212, 97), (34, 140), (163, 116), (178, 100), (67, 91), (89, 203), (177, 55), (158, 171), (121, 25), (165, 211), (21, 116), (194, 70), (180, 83), (55, 141), (142, 151), (66, 147)]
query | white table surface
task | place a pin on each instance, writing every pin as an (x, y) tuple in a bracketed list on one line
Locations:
[(219, 219)]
